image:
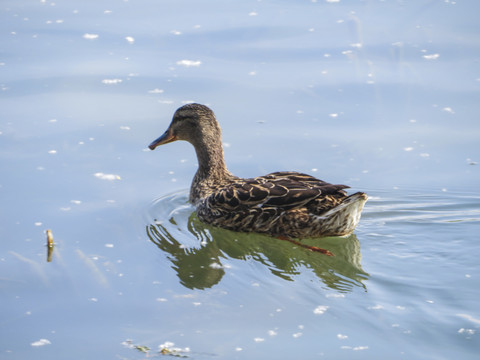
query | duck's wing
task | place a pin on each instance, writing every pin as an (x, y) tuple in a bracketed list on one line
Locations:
[(307, 180), (281, 190)]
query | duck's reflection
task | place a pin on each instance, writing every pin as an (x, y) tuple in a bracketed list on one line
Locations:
[(200, 266)]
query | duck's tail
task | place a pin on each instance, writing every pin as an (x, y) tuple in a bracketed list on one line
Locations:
[(342, 219)]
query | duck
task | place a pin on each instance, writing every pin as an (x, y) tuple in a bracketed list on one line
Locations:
[(288, 205)]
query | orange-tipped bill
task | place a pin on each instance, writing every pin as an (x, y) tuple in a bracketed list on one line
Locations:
[(164, 139)]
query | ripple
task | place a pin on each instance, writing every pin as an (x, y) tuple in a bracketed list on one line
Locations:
[(424, 208), (201, 254)]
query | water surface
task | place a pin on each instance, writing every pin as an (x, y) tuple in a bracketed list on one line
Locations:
[(379, 95)]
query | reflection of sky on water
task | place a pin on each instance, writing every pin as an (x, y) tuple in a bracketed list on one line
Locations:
[(380, 89), (380, 95)]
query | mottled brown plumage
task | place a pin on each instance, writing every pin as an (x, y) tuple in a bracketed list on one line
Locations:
[(282, 204)]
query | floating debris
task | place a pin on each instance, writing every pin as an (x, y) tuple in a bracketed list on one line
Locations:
[(142, 348), (50, 245), (168, 349), (163, 349)]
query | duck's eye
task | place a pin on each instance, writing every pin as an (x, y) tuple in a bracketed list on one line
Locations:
[(191, 124)]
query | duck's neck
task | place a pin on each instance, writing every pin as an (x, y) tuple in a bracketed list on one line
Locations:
[(212, 171)]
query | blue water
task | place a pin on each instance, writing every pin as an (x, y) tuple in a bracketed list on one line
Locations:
[(379, 95)]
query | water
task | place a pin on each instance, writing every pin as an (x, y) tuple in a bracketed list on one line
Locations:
[(379, 95)]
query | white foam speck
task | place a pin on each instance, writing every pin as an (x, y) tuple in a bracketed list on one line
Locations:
[(155, 91), (342, 337), (109, 245), (449, 110), (111, 81), (272, 332), (258, 339), (319, 310), (90, 36), (335, 295), (189, 63), (109, 177), (252, 13), (431, 56), (297, 335), (467, 331), (408, 148), (124, 127), (357, 348), (41, 342), (52, 151), (130, 39)]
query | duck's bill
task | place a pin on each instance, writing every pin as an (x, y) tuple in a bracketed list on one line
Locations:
[(164, 139)]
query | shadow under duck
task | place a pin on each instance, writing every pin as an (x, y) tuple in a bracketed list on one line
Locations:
[(284, 204)]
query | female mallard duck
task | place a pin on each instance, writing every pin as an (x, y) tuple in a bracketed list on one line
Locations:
[(283, 204)]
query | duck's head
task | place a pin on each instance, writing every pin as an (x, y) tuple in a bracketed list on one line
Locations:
[(194, 123)]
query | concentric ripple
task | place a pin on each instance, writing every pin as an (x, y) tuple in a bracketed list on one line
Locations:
[(200, 254)]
